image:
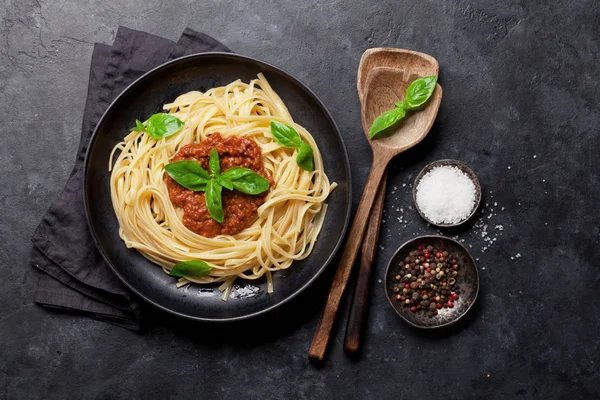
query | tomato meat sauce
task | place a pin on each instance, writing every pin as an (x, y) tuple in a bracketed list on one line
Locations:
[(240, 209)]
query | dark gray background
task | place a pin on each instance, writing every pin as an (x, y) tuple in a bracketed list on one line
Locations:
[(519, 79)]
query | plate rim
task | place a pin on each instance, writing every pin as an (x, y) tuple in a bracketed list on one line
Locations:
[(346, 163)]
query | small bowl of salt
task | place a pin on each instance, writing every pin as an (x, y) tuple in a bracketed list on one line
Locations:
[(447, 193)]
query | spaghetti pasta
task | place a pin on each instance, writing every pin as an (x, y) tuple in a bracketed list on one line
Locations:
[(288, 222)]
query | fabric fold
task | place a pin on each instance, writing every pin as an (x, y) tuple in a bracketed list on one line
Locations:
[(73, 275)]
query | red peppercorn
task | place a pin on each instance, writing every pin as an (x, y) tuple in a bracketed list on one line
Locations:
[(406, 285), (439, 305), (423, 292), (441, 258), (428, 269), (426, 254), (438, 254), (413, 309), (455, 296), (450, 304), (420, 248)]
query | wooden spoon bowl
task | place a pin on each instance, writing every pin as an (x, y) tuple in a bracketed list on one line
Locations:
[(412, 63), (385, 87)]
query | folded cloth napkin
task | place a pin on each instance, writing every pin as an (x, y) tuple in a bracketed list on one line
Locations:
[(73, 276)]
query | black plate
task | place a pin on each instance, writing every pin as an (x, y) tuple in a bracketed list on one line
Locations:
[(145, 97), (467, 281)]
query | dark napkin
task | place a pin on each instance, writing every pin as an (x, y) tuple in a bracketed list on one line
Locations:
[(72, 274)]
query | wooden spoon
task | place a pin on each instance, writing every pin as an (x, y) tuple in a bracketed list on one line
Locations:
[(373, 58), (383, 87)]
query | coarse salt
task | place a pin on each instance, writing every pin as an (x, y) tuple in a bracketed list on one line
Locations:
[(446, 195)]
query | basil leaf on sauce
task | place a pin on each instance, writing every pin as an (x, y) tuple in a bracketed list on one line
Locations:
[(162, 125), (188, 174), (192, 268), (139, 126), (226, 183), (385, 121), (213, 200), (246, 181), (419, 92), (285, 135), (213, 162), (305, 157), (192, 176)]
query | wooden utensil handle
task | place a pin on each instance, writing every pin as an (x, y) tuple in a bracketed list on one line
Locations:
[(358, 309), (340, 280)]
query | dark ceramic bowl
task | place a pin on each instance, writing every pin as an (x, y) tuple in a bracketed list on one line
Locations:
[(464, 168), (467, 281), (145, 97)]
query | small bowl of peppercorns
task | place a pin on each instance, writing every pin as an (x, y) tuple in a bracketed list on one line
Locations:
[(431, 281)]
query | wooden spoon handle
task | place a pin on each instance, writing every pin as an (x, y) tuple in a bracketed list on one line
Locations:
[(358, 309), (340, 280)]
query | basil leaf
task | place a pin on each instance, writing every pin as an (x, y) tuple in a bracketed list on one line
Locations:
[(139, 126), (419, 92), (305, 157), (192, 268), (188, 174), (213, 163), (401, 104), (386, 120), (285, 135), (213, 200), (162, 125), (246, 181), (223, 181)]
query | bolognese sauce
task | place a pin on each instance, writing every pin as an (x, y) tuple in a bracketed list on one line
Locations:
[(240, 209)]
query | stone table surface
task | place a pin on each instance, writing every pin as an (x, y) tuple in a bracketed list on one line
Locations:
[(520, 106)]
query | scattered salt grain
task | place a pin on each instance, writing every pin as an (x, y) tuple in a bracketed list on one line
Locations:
[(509, 167), (534, 156), (446, 195)]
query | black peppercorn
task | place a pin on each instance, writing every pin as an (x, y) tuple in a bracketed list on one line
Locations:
[(425, 277)]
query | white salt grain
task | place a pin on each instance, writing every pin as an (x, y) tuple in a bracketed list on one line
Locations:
[(446, 195)]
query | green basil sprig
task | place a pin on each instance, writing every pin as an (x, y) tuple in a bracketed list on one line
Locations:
[(159, 125), (192, 268), (189, 174), (417, 94), (286, 136), (192, 176)]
